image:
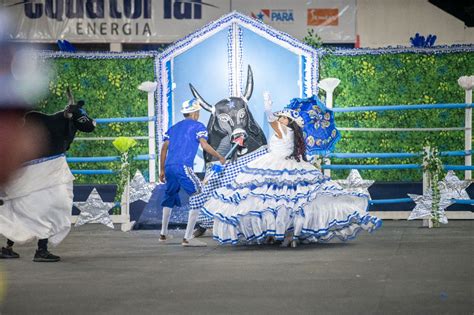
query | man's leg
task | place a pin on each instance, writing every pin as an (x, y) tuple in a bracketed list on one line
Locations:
[(42, 254), (170, 199), (192, 218), (7, 252), (188, 240), (192, 185), (164, 223)]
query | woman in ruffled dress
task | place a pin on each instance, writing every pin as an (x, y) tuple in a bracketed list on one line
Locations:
[(282, 198)]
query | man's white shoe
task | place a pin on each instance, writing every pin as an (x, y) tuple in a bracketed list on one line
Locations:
[(193, 243)]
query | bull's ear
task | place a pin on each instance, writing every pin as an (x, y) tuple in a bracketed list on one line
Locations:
[(249, 87), (202, 102), (80, 103)]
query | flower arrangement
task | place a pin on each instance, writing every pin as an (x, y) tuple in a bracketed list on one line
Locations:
[(125, 146), (434, 167)]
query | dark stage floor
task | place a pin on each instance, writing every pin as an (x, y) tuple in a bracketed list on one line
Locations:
[(402, 268)]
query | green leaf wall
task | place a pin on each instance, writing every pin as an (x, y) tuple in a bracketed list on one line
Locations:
[(109, 88), (398, 79)]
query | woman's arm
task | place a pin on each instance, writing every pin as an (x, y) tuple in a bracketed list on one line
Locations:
[(272, 120)]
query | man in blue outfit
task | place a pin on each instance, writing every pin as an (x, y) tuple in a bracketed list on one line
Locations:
[(180, 145)]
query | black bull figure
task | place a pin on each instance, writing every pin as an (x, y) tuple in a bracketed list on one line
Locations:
[(231, 118), (61, 127)]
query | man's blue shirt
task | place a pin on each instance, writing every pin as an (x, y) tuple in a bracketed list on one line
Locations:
[(183, 140)]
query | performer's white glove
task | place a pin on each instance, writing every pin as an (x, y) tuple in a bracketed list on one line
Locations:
[(267, 105)]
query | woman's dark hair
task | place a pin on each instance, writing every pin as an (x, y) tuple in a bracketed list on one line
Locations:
[(299, 148)]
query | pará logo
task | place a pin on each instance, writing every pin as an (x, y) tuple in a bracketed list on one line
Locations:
[(184, 9), (273, 15)]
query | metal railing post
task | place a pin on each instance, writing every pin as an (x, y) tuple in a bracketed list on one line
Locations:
[(426, 187), (467, 83), (150, 88), (328, 85)]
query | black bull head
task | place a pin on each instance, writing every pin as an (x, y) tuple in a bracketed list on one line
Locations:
[(61, 127), (231, 118)]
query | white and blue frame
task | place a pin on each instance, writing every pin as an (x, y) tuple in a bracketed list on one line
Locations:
[(234, 23)]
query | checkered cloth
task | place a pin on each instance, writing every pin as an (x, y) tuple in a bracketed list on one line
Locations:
[(231, 170)]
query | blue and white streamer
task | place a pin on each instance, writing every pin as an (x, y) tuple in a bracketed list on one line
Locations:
[(401, 50), (97, 55)]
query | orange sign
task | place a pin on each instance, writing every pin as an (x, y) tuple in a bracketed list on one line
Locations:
[(323, 17)]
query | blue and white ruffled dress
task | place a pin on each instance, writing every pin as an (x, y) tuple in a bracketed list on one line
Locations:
[(275, 196)]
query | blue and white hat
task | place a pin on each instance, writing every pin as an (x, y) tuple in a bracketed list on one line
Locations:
[(292, 114), (190, 106)]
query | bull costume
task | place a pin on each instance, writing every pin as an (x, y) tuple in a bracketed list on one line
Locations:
[(37, 203), (180, 144), (230, 119), (279, 197)]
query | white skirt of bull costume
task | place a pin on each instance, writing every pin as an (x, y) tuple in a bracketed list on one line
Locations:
[(274, 196), (38, 202)]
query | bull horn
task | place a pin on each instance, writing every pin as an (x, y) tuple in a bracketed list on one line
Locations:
[(249, 87), (203, 103), (70, 97)]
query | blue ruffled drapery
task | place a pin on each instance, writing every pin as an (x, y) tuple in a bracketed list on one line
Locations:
[(319, 131)]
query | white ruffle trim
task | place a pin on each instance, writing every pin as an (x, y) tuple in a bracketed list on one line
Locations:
[(273, 197)]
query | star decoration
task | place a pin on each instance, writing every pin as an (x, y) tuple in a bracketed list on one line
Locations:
[(140, 189), (422, 209), (94, 210), (355, 183), (453, 188), (260, 16)]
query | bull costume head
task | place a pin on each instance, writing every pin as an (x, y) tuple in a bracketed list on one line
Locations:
[(231, 118), (61, 127), (77, 114)]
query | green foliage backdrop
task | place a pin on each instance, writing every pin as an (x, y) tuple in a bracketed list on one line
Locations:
[(398, 79), (109, 89)]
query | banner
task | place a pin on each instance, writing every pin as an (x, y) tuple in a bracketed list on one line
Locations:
[(165, 21), (139, 21), (333, 20)]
